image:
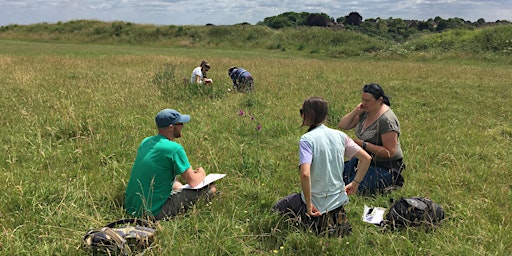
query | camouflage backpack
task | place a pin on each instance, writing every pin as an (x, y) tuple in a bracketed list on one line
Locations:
[(122, 237)]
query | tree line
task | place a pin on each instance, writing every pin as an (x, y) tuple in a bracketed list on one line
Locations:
[(392, 28)]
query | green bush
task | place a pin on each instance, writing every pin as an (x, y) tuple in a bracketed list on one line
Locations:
[(495, 39)]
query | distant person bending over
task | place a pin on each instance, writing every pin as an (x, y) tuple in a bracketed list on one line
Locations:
[(322, 151), (242, 79), (153, 190), (199, 74), (377, 130)]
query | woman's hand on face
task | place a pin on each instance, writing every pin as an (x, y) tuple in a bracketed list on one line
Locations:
[(359, 109)]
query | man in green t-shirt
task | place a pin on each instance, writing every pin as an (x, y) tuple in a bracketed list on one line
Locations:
[(153, 190)]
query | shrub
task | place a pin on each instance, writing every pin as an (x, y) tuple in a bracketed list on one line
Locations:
[(495, 39)]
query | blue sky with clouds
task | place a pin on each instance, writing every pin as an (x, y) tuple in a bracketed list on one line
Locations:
[(228, 12)]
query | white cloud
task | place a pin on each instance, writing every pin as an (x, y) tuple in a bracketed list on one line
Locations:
[(195, 12)]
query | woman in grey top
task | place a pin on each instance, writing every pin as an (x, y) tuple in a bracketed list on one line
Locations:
[(377, 130)]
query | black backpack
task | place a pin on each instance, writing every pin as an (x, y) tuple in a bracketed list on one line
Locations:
[(413, 212)]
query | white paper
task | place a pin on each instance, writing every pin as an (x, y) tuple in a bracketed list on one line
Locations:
[(207, 180), (373, 215)]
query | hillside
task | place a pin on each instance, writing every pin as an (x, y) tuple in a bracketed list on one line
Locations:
[(326, 41)]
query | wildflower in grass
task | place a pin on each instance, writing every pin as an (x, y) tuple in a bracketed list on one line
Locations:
[(242, 113)]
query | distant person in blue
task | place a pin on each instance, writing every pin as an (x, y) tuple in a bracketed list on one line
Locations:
[(242, 79)]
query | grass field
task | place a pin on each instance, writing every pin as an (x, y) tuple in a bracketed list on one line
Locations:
[(74, 114)]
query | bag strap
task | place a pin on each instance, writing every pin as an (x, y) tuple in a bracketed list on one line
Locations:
[(417, 202), (240, 74), (120, 241), (139, 222)]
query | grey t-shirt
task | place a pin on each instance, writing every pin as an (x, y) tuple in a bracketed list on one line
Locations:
[(387, 122)]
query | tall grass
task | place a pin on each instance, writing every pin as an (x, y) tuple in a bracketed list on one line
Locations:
[(73, 116)]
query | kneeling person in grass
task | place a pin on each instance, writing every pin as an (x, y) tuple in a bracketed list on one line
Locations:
[(242, 79), (322, 151), (153, 190)]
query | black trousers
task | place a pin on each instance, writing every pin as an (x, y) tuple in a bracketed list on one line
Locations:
[(180, 201)]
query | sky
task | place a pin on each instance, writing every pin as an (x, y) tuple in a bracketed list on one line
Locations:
[(229, 12)]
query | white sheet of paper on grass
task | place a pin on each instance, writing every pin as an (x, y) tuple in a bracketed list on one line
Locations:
[(207, 180), (375, 216)]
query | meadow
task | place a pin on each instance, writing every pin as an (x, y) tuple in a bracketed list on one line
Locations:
[(73, 115)]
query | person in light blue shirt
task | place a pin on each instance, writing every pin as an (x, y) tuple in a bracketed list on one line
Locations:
[(322, 151)]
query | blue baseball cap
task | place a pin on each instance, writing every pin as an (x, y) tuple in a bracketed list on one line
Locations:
[(169, 116)]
